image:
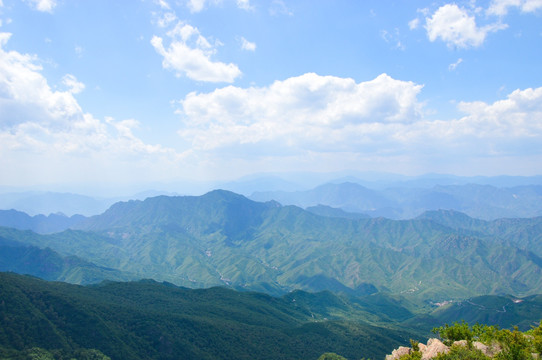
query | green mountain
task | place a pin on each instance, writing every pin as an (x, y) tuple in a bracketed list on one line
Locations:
[(222, 238), (503, 311), (50, 265), (524, 234), (150, 320), (506, 311)]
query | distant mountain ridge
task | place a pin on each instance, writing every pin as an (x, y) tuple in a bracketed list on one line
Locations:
[(405, 192), (62, 203), (324, 210), (46, 202), (222, 238), (478, 201), (39, 223)]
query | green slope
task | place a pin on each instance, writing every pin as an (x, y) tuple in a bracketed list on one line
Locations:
[(222, 238), (149, 320), (50, 265), (506, 311)]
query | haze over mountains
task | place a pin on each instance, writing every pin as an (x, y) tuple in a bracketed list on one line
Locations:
[(337, 267), (373, 194), (222, 238)]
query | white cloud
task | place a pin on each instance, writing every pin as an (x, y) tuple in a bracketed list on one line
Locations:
[(413, 24), (74, 86), (244, 4), (506, 133), (247, 45), (166, 19), (457, 28), (196, 5), (163, 4), (45, 134), (189, 53), (501, 7), (377, 124), (309, 110), (517, 116), (42, 5), (453, 66), (24, 90)]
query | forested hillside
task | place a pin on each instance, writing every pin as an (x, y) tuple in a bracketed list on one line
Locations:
[(150, 320), (222, 238)]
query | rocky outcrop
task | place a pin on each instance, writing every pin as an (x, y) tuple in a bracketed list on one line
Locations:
[(435, 347), (488, 350), (397, 353)]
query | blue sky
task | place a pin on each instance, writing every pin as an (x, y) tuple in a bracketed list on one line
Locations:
[(165, 90)]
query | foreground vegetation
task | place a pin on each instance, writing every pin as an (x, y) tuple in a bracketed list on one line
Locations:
[(482, 342), (150, 320), (37, 353)]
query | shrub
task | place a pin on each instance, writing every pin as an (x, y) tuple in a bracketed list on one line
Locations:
[(462, 353), (456, 332)]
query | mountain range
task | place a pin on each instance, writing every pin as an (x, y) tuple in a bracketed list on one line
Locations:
[(223, 238), (375, 194), (478, 201)]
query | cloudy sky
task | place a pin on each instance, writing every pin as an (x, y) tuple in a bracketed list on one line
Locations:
[(163, 90)]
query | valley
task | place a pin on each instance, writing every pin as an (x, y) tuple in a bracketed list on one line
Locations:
[(366, 285)]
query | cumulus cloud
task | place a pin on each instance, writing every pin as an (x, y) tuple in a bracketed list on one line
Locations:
[(457, 28), (42, 5), (501, 7), (508, 131), (517, 116), (74, 86), (45, 131), (310, 119), (247, 45), (309, 110), (26, 92), (189, 53)]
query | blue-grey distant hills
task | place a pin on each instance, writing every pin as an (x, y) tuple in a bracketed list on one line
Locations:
[(63, 203), (38, 223), (222, 238), (46, 202), (479, 201)]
